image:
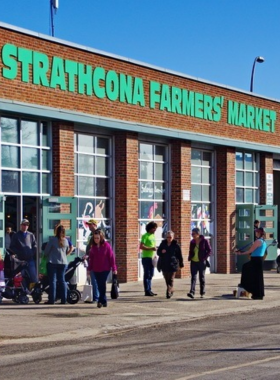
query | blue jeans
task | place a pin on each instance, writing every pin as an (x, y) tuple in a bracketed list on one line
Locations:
[(101, 278), (56, 274), (148, 267), (31, 269), (199, 267), (95, 291)]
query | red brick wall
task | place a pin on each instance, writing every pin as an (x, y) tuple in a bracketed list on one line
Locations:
[(225, 228), (63, 159), (180, 209), (126, 164), (29, 93), (126, 205)]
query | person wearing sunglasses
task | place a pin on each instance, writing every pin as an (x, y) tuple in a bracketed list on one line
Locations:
[(171, 259)]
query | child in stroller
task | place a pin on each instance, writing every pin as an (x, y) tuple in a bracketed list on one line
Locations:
[(73, 295), (16, 279)]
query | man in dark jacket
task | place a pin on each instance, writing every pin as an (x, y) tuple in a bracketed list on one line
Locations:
[(24, 246), (199, 252)]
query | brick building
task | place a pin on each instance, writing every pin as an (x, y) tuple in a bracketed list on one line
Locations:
[(128, 142)]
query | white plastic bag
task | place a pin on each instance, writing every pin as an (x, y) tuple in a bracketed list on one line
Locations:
[(155, 260), (87, 293)]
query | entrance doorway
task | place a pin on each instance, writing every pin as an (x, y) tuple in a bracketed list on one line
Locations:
[(22, 207)]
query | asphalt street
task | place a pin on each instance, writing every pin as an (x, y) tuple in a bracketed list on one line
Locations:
[(138, 337)]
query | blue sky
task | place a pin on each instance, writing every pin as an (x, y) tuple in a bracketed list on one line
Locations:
[(215, 40)]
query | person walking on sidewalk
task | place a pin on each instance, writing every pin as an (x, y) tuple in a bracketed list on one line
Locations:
[(101, 262), (171, 259), (148, 247), (199, 252), (252, 271)]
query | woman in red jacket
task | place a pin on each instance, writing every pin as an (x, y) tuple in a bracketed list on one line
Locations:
[(101, 262), (199, 252)]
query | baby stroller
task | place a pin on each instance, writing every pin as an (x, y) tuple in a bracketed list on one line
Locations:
[(16, 279), (73, 295)]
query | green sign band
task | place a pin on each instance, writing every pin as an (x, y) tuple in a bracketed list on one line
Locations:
[(71, 76)]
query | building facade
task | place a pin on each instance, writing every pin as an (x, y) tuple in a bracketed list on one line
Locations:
[(126, 143)]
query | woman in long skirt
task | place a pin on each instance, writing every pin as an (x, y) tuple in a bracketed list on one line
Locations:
[(252, 271)]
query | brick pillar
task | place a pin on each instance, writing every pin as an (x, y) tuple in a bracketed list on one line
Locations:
[(126, 205), (225, 228), (266, 167), (181, 209), (63, 159)]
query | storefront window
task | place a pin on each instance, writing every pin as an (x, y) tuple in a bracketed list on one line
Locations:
[(25, 156), (153, 188), (30, 132), (202, 190), (93, 184), (247, 178)]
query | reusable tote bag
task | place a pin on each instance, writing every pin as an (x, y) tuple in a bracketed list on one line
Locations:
[(115, 287)]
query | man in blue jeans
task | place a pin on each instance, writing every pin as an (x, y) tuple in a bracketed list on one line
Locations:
[(148, 247), (24, 246)]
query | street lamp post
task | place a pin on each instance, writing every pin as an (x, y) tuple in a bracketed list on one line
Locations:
[(259, 60)]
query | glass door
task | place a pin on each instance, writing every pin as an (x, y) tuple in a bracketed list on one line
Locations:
[(60, 210), (244, 231), (268, 217)]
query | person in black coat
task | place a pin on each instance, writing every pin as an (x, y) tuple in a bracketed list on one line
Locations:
[(170, 260)]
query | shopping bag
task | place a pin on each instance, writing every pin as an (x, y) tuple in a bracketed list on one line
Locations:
[(154, 261), (43, 266), (87, 293), (115, 287)]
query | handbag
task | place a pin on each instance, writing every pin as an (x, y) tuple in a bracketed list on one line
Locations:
[(115, 287), (159, 264), (87, 293)]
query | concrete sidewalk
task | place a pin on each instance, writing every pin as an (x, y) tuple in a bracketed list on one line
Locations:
[(39, 323)]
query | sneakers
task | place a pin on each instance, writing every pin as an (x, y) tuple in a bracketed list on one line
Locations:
[(190, 295)]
